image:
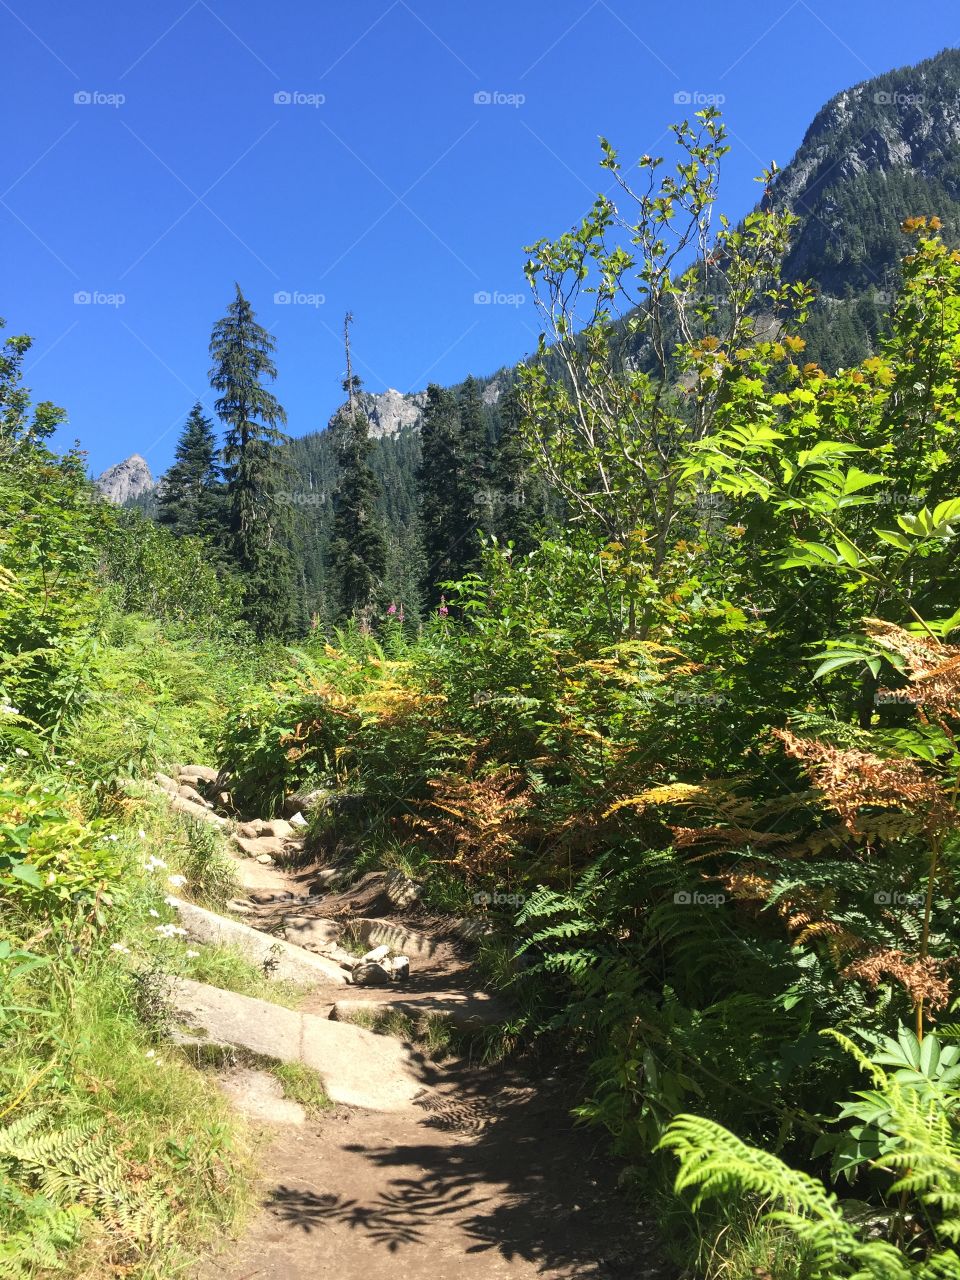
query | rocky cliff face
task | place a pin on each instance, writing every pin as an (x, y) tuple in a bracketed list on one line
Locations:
[(390, 411), (876, 154), (126, 480)]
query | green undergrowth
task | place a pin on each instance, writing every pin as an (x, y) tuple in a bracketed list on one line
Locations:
[(304, 1085)]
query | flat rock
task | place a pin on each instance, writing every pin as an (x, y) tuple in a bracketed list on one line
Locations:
[(358, 1068), (259, 1096), (467, 1010), (255, 878), (279, 959), (312, 932), (270, 845)]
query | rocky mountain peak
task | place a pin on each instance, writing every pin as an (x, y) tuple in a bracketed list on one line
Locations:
[(126, 480)]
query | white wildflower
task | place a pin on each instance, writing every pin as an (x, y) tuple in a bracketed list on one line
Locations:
[(20, 751), (153, 863), (177, 881), (170, 931), (141, 833), (120, 948), (155, 914), (191, 955), (151, 1053), (51, 878)]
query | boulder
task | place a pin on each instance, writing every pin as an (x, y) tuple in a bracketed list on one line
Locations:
[(376, 956), (401, 890), (191, 793), (167, 784), (197, 773), (298, 821), (277, 827), (370, 974), (400, 968), (358, 1068), (373, 932), (278, 959), (305, 801), (271, 845)]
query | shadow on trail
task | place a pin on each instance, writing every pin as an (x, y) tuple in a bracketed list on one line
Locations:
[(506, 1168)]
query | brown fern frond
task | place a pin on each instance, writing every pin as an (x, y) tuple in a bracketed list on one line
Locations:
[(850, 781), (922, 977)]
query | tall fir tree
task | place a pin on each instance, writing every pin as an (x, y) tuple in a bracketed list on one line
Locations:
[(358, 551), (517, 493), (191, 492), (475, 454), (259, 532), (447, 493)]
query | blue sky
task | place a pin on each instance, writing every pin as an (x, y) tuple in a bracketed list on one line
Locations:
[(149, 163)]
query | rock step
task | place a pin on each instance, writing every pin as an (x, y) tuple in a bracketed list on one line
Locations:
[(374, 933), (262, 882), (358, 1068), (279, 959), (161, 785), (467, 1010)]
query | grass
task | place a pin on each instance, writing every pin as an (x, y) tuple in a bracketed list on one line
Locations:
[(229, 969), (302, 1084), (117, 1121)]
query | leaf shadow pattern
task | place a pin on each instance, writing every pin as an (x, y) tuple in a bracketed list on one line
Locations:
[(505, 1174), (399, 1216)]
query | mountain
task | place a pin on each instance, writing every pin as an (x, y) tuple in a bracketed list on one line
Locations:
[(878, 153), (126, 481)]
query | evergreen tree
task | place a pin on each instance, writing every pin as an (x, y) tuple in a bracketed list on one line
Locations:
[(446, 504), (518, 495), (242, 354), (358, 548), (475, 451), (191, 492)]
